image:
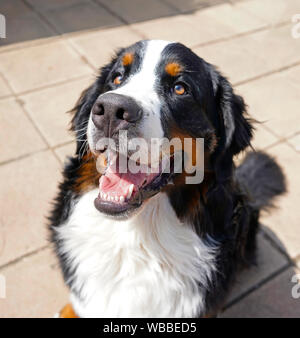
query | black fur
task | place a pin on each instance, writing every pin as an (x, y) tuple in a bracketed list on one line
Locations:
[(227, 210)]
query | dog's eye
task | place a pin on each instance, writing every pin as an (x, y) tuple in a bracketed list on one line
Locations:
[(179, 89), (118, 79)]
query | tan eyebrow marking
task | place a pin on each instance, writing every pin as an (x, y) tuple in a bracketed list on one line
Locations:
[(127, 59), (173, 68)]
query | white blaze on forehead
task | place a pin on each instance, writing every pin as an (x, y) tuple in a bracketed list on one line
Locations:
[(141, 87)]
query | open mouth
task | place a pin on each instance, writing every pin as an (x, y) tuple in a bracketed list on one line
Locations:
[(123, 189)]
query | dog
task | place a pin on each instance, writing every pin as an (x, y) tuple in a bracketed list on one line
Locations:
[(151, 245)]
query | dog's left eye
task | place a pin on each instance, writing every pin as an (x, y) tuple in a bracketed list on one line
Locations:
[(118, 79), (179, 89)]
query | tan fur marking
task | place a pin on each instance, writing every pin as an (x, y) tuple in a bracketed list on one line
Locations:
[(88, 174), (176, 132), (127, 59), (67, 312), (173, 68)]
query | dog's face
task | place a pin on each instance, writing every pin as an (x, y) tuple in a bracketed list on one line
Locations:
[(155, 90)]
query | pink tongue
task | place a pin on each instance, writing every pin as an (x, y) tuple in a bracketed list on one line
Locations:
[(118, 183)]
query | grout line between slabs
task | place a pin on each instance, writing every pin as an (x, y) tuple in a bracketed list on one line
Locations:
[(275, 246), (20, 102), (37, 152), (124, 21), (266, 74), (257, 286), (20, 258), (243, 34)]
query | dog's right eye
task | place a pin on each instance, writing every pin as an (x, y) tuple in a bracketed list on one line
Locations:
[(118, 79)]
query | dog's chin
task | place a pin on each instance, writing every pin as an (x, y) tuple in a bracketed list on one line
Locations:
[(116, 211), (123, 195)]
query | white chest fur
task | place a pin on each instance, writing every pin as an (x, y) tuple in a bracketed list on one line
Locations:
[(150, 265)]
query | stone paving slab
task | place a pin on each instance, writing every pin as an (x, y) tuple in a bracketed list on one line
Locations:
[(80, 16), (45, 5), (273, 300), (265, 103), (4, 89), (269, 261), (295, 142), (131, 12), (99, 47), (25, 27), (251, 56), (27, 187), (19, 135), (34, 287), (192, 29), (48, 109), (271, 11), (58, 61), (283, 220), (191, 5), (14, 8), (64, 151), (263, 138)]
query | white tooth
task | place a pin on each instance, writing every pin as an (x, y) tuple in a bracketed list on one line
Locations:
[(122, 199), (104, 196), (130, 190), (101, 194), (116, 198), (109, 198)]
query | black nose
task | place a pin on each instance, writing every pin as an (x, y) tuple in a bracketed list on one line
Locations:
[(115, 111)]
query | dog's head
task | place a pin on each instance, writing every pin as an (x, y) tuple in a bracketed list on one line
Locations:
[(151, 91)]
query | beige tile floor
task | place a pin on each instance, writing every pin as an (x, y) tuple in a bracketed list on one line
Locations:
[(51, 53)]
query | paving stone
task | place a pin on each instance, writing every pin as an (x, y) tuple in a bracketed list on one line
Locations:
[(234, 20), (4, 89), (64, 151), (48, 108), (272, 300), (44, 5), (34, 287), (25, 27), (27, 188), (192, 5), (180, 29), (138, 10), (269, 261), (45, 65), (295, 142), (274, 100), (293, 75), (18, 136), (98, 47), (271, 11), (262, 137), (14, 8), (253, 55), (85, 15), (283, 221), (200, 27)]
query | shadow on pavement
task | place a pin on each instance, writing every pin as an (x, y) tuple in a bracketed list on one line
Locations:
[(37, 19)]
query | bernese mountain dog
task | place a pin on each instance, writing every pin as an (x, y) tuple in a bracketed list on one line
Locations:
[(140, 244)]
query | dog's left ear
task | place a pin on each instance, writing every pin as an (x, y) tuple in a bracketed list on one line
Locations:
[(232, 109)]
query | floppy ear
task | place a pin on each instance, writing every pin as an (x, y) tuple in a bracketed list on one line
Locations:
[(234, 135), (232, 109)]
